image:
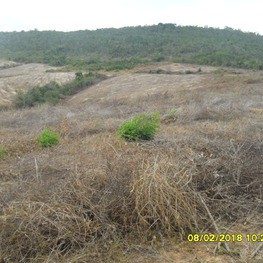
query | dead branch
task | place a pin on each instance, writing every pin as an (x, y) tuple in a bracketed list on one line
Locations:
[(213, 221)]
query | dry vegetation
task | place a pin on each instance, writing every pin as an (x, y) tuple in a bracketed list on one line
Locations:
[(96, 198)]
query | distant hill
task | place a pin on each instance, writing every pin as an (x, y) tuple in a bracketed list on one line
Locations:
[(115, 49)]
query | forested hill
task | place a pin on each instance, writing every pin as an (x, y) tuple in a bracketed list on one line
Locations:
[(125, 47)]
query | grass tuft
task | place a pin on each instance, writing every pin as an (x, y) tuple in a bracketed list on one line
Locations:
[(2, 152), (142, 127), (48, 138)]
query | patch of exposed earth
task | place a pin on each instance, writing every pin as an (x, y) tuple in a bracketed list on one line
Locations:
[(140, 82), (136, 85)]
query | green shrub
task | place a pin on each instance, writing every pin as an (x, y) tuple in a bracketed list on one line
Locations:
[(2, 152), (52, 92), (79, 76), (49, 93), (48, 138), (143, 127)]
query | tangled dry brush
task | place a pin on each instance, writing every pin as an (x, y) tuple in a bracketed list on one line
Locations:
[(94, 192)]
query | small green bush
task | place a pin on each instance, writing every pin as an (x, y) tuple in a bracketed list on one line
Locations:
[(2, 152), (142, 127), (48, 138)]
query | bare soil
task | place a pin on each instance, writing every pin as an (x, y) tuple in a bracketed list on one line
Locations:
[(178, 78)]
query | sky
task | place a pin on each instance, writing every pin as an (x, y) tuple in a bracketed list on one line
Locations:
[(71, 15)]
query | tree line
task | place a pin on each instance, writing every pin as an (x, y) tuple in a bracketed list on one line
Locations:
[(114, 49)]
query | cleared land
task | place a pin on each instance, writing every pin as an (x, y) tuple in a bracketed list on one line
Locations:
[(15, 77), (96, 198), (133, 86)]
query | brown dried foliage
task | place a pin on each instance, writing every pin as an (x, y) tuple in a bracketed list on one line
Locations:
[(94, 194)]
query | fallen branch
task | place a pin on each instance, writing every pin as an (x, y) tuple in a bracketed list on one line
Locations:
[(38, 178), (214, 223)]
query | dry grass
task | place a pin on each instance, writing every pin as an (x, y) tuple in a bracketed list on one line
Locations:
[(96, 198), (120, 197)]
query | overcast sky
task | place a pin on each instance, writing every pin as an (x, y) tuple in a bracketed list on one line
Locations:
[(70, 15)]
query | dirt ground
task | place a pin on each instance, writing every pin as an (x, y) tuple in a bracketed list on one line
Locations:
[(134, 84)]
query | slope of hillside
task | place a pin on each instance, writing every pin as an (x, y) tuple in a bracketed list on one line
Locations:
[(174, 78), (126, 47), (96, 198)]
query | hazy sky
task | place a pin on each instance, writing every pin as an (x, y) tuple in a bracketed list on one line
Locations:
[(69, 15)]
